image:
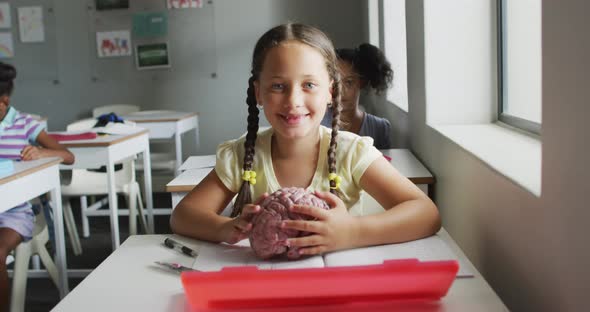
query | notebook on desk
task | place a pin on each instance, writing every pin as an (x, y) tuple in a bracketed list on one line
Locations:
[(6, 166), (214, 257)]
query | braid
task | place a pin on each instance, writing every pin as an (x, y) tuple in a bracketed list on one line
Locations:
[(336, 88), (245, 195)]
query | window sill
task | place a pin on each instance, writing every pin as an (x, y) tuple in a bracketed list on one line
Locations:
[(509, 152)]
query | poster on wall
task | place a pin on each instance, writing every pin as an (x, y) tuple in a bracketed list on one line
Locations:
[(6, 46), (150, 24), (103, 5), (113, 43), (184, 4), (5, 21), (152, 55), (30, 24)]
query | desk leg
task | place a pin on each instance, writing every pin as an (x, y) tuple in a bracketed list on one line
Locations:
[(147, 181), (113, 205), (60, 249), (178, 145)]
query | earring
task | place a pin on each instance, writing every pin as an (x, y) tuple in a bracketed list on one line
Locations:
[(330, 105), (260, 106)]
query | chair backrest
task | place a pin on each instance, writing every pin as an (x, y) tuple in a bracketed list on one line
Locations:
[(119, 109), (83, 124)]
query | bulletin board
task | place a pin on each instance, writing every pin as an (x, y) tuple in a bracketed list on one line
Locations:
[(188, 39), (31, 25)]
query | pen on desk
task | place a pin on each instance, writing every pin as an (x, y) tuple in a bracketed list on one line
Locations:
[(170, 243), (174, 266)]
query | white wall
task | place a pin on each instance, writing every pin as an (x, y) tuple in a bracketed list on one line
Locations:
[(533, 251)]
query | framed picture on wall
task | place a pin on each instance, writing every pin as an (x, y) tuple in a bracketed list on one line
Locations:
[(113, 43), (5, 21), (103, 5), (184, 4), (152, 55)]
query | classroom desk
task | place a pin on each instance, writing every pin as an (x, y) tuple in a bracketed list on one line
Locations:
[(28, 180), (196, 162), (106, 151), (184, 183), (164, 124), (409, 166), (128, 280), (195, 168)]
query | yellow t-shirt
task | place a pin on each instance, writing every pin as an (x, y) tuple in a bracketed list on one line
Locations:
[(354, 154)]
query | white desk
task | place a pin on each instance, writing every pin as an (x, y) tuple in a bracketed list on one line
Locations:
[(167, 124), (106, 151), (129, 280), (408, 165), (184, 183), (28, 180), (196, 162), (195, 168)]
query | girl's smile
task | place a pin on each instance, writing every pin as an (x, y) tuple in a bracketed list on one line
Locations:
[(294, 119)]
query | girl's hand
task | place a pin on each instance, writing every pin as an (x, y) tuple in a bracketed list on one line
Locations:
[(32, 152), (238, 228), (333, 229)]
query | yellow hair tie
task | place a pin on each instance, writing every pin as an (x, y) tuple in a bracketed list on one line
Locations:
[(336, 178), (250, 176)]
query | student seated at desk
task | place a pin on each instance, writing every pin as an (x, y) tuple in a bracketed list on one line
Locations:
[(363, 68), (294, 77), (21, 138)]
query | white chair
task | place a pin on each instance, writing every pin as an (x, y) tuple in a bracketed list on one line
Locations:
[(88, 183), (119, 109), (22, 256)]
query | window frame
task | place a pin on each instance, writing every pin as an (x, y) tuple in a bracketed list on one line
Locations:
[(517, 122)]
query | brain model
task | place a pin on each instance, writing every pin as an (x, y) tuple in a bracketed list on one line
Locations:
[(267, 237)]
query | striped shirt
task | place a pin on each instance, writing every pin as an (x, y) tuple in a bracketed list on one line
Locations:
[(17, 130)]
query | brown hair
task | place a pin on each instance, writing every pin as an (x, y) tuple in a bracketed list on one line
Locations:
[(314, 38)]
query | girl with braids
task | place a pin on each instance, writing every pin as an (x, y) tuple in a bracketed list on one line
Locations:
[(21, 138), (363, 68), (294, 78)]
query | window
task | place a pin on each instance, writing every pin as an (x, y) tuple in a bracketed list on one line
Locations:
[(394, 46), (519, 64)]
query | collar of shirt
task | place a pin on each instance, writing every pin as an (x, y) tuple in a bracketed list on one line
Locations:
[(9, 118)]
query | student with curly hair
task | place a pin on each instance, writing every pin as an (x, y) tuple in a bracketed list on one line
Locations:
[(363, 68)]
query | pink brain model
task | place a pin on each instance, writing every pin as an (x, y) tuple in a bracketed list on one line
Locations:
[(267, 237)]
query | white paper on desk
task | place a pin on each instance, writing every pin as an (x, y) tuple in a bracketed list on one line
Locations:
[(214, 257), (432, 248)]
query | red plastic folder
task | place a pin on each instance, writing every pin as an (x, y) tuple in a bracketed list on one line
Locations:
[(73, 136), (248, 287)]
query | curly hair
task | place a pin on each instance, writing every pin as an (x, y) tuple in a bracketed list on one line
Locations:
[(371, 64)]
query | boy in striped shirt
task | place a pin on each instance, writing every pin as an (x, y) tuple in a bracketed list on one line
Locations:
[(21, 138)]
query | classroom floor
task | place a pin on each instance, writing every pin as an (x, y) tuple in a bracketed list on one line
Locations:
[(42, 295)]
